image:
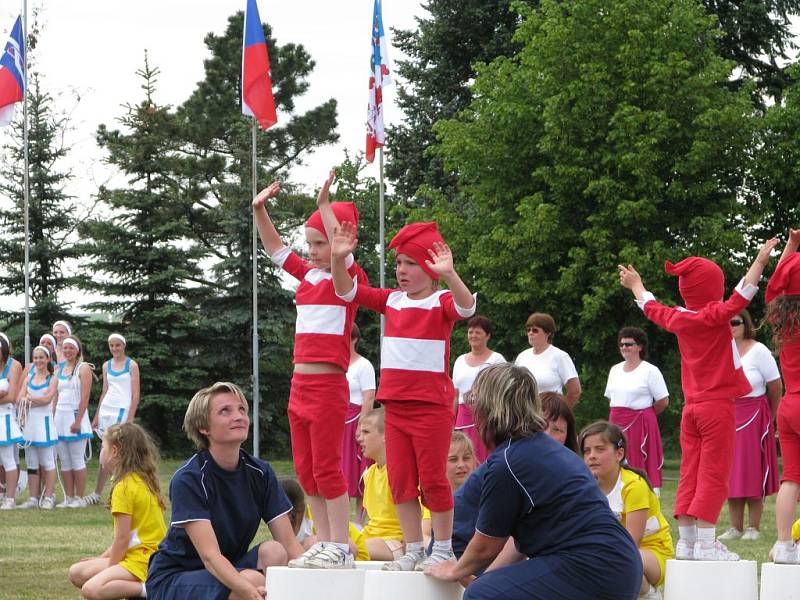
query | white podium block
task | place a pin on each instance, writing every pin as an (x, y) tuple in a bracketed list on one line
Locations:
[(370, 565), (780, 582), (399, 585), (284, 583), (704, 579)]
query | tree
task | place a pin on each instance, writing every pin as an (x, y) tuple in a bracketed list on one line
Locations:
[(608, 138), (53, 214), (142, 262), (215, 139)]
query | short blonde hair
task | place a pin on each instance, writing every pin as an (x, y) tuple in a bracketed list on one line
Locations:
[(196, 417), (505, 404)]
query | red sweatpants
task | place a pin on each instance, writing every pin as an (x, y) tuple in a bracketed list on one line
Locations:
[(417, 436), (317, 407), (708, 434)]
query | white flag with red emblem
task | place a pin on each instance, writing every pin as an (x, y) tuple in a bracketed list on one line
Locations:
[(379, 75)]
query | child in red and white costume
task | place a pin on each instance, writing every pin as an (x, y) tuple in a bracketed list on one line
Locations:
[(783, 314), (711, 377), (319, 395), (415, 386)]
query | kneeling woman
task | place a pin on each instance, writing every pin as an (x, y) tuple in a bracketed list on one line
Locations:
[(219, 497), (542, 494), (631, 498)]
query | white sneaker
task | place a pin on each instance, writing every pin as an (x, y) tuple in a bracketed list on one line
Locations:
[(331, 557), (93, 498), (65, 502), (8, 504), (715, 550), (684, 550), (784, 553), (751, 534), (31, 502), (730, 535), (408, 562), (48, 503), (300, 561), (77, 502), (436, 557), (651, 594)]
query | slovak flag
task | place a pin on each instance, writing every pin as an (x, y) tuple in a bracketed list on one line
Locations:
[(12, 78), (257, 100), (378, 77)]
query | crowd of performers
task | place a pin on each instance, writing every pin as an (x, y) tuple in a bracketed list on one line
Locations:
[(481, 479)]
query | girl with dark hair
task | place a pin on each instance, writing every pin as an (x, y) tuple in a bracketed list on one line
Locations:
[(560, 420), (632, 499), (637, 392)]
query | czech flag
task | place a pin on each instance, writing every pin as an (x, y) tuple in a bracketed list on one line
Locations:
[(378, 77), (257, 100), (12, 69)]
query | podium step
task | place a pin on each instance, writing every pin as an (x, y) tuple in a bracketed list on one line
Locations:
[(704, 580), (780, 582), (394, 585)]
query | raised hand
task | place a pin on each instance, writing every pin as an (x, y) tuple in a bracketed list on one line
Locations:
[(441, 259), (628, 277), (322, 197), (345, 240), (765, 250), (268, 192), (794, 237)]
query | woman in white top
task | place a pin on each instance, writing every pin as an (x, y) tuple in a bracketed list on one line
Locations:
[(118, 400), (754, 474), (361, 379), (552, 368), (10, 433), (466, 369), (72, 421), (637, 392), (61, 331)]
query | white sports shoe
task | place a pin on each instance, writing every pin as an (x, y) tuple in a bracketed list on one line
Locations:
[(65, 502), (93, 498), (715, 550), (651, 594), (8, 504), (684, 550), (77, 502), (751, 534), (31, 502), (300, 561), (730, 535), (331, 557), (48, 503), (408, 562), (785, 553), (436, 557)]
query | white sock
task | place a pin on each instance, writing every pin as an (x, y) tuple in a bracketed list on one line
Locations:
[(688, 533), (143, 593), (443, 546), (414, 547), (707, 535)]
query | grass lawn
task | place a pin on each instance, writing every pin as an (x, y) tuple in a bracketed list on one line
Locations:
[(38, 546)]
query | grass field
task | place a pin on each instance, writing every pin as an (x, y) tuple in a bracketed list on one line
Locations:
[(37, 547)]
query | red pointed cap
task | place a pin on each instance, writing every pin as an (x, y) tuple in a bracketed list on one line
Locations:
[(414, 240), (700, 281), (785, 281), (344, 211)]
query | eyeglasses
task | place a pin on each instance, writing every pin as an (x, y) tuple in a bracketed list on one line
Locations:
[(627, 344), (736, 322), (532, 329)]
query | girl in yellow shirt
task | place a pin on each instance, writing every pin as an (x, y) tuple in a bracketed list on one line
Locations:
[(631, 498), (137, 506)]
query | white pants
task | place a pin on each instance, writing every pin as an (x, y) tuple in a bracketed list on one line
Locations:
[(72, 455), (44, 456), (7, 455)]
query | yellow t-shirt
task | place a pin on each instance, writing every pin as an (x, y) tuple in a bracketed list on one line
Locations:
[(631, 494), (354, 532), (383, 522), (131, 496), (796, 531)]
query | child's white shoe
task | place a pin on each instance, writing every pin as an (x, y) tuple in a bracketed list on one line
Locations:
[(93, 498), (751, 534), (300, 561), (436, 557), (785, 553), (77, 502), (715, 550), (65, 502), (8, 504), (730, 535), (407, 562), (684, 550), (48, 503), (31, 502), (331, 557)]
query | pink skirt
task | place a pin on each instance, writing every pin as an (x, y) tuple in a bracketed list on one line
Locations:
[(644, 450), (754, 473), (466, 425), (353, 462)]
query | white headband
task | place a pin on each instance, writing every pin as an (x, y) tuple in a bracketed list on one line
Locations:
[(5, 337), (49, 338), (71, 341), (43, 349), (117, 336), (65, 325)]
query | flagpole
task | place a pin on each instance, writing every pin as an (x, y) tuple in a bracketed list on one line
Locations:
[(254, 177), (381, 228), (26, 186)]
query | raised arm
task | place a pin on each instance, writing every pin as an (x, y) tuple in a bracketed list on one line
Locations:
[(629, 278), (343, 243), (266, 229), (329, 219), (762, 259), (442, 263), (791, 244)]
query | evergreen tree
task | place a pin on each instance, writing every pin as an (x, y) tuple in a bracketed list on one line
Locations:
[(142, 262), (53, 215)]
